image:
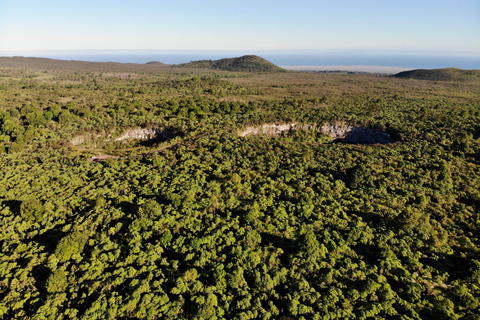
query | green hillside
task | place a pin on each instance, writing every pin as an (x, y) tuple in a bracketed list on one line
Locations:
[(447, 74), (249, 63)]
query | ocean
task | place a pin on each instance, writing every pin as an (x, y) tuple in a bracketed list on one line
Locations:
[(401, 60)]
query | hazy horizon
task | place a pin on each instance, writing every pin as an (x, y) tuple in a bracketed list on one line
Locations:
[(244, 51), (370, 61)]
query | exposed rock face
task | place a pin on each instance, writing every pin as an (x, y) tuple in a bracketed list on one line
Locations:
[(348, 133), (364, 135), (340, 131), (336, 131), (143, 134), (152, 134), (78, 140), (84, 139), (273, 129), (268, 129)]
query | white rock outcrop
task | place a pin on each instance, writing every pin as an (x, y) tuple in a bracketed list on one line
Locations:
[(273, 129), (142, 134), (348, 133), (339, 131)]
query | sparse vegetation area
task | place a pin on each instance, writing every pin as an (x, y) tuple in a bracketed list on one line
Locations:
[(206, 224)]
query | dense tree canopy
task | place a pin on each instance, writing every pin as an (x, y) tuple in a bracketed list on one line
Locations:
[(201, 223)]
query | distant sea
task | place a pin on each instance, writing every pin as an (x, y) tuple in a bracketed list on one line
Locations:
[(285, 58)]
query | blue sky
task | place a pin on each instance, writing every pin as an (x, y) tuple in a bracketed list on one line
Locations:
[(426, 25)]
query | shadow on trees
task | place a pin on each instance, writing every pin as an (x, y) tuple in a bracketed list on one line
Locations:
[(368, 253), (287, 245), (165, 136), (457, 266), (50, 238), (152, 142), (374, 219), (40, 273), (363, 135), (13, 205), (470, 202)]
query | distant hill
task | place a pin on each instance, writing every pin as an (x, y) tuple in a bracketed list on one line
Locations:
[(249, 63), (447, 74), (73, 65)]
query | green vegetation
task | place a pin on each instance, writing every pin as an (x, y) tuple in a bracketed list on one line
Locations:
[(202, 223), (242, 64), (447, 74), (80, 66)]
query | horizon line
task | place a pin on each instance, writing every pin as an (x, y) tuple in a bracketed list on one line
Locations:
[(271, 51)]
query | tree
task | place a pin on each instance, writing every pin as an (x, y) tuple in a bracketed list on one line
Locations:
[(150, 209), (32, 210), (71, 244), (57, 282)]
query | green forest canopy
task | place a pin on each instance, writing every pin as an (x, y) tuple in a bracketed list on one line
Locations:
[(201, 223)]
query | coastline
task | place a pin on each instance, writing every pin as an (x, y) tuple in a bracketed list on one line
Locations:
[(358, 68)]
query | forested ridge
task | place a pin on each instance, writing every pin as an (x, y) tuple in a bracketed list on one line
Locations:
[(202, 223)]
